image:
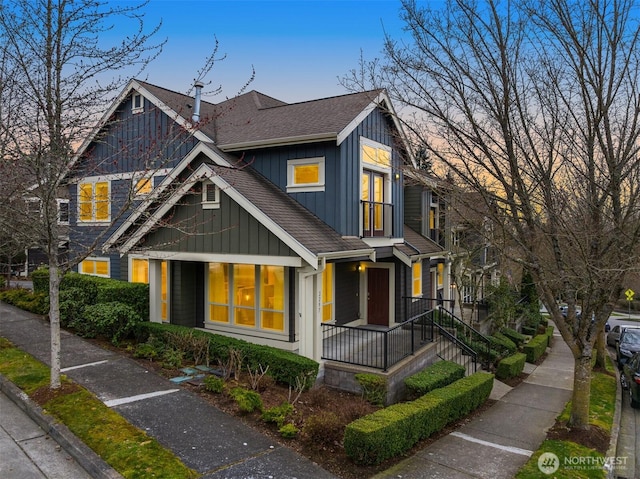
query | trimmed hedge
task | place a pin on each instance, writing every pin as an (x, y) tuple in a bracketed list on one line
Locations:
[(37, 303), (284, 366), (437, 375), (549, 333), (500, 342), (394, 430), (536, 347), (511, 366), (40, 280), (114, 320), (514, 336)]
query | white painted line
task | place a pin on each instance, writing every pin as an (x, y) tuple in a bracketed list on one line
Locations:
[(139, 397), (515, 450), (70, 368)]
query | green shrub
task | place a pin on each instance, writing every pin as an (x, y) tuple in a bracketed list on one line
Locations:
[(514, 336), (40, 280), (214, 384), (247, 401), (72, 304), (435, 376), (374, 388), (549, 333), (37, 303), (529, 330), (395, 429), (324, 428), (284, 366), (501, 342), (3, 282), (114, 320), (135, 295), (172, 358), (146, 351), (511, 366), (278, 414), (536, 347), (288, 431)]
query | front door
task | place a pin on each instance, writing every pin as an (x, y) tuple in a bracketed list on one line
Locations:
[(378, 296)]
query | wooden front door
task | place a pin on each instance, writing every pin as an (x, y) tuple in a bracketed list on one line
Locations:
[(378, 296)]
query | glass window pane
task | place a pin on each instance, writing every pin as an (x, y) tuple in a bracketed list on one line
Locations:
[(219, 283), (272, 288), (219, 314), (417, 279), (306, 174), (369, 154), (244, 294), (85, 202), (102, 268), (139, 270), (87, 267), (143, 186), (327, 293), (102, 201), (272, 320)]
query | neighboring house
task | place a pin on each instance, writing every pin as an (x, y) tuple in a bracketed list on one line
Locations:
[(271, 222)]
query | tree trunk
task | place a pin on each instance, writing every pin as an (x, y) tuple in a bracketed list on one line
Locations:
[(601, 351), (54, 319), (581, 393)]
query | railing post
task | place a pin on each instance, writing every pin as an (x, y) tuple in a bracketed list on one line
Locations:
[(386, 351)]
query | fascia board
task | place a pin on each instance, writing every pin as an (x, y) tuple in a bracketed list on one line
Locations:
[(142, 207), (402, 257), (293, 140)]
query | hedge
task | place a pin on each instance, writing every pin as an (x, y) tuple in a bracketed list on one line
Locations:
[(437, 375), (394, 430), (40, 280), (284, 366), (549, 333), (511, 366), (500, 342), (114, 320), (514, 336), (536, 347)]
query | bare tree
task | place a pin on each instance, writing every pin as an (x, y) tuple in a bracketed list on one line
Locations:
[(535, 105), (65, 73)]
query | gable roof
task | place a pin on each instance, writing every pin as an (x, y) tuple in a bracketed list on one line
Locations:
[(293, 224), (416, 247)]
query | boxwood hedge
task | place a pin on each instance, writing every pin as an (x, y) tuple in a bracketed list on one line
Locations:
[(511, 366), (435, 376)]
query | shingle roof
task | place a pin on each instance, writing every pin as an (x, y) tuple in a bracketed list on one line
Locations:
[(419, 244), (253, 117)]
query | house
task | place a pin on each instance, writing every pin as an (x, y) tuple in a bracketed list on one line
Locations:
[(281, 224)]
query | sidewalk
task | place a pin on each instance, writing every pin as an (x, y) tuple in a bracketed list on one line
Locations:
[(498, 442), (207, 440)]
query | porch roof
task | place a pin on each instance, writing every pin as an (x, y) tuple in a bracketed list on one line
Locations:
[(415, 247)]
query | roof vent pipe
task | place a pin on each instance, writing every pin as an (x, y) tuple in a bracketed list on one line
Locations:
[(196, 109)]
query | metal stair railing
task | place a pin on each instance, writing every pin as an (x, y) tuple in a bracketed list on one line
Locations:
[(470, 337)]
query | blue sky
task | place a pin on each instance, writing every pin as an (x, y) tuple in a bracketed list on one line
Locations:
[(299, 48)]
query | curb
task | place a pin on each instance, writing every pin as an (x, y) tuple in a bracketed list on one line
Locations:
[(92, 463), (615, 427)]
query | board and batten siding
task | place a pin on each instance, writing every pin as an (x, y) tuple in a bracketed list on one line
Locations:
[(227, 230)]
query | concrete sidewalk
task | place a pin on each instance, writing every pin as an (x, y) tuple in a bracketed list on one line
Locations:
[(207, 440), (498, 442)]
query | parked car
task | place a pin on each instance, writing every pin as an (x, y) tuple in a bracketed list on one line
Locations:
[(630, 379), (628, 345), (613, 336)]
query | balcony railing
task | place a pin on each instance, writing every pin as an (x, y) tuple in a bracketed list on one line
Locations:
[(377, 219)]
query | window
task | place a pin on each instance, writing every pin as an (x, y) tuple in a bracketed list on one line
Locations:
[(440, 274), (327, 293), (416, 275), (63, 212), (95, 267), (375, 153), (219, 292), (143, 186), (244, 284), (210, 196), (272, 297), (137, 103), (248, 296), (373, 203), (93, 201), (164, 288), (139, 270), (305, 175)]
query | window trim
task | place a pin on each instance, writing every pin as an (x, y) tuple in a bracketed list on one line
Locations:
[(59, 202), (292, 187), (93, 182), (96, 259), (210, 204), (140, 108)]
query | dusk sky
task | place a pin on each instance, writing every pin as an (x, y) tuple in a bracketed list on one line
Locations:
[(299, 48)]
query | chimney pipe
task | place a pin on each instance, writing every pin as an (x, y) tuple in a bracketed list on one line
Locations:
[(196, 108)]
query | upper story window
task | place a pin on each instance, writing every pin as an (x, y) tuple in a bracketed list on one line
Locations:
[(94, 201), (374, 153), (143, 186), (305, 175), (95, 267), (210, 196), (63, 212), (137, 103)]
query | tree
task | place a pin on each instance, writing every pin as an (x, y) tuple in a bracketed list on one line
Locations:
[(535, 106), (64, 70)]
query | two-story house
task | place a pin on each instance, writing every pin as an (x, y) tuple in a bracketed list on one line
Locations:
[(254, 218)]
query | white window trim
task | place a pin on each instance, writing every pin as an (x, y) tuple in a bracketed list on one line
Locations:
[(61, 202), (140, 108), (97, 259), (306, 187), (208, 204), (93, 221)]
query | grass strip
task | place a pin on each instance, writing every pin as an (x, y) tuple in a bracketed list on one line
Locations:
[(127, 449), (577, 461)]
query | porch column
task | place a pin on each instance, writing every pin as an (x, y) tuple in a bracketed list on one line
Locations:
[(446, 280), (155, 284), (310, 302)]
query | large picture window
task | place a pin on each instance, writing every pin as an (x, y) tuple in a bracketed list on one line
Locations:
[(247, 296), (95, 267), (93, 201)]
